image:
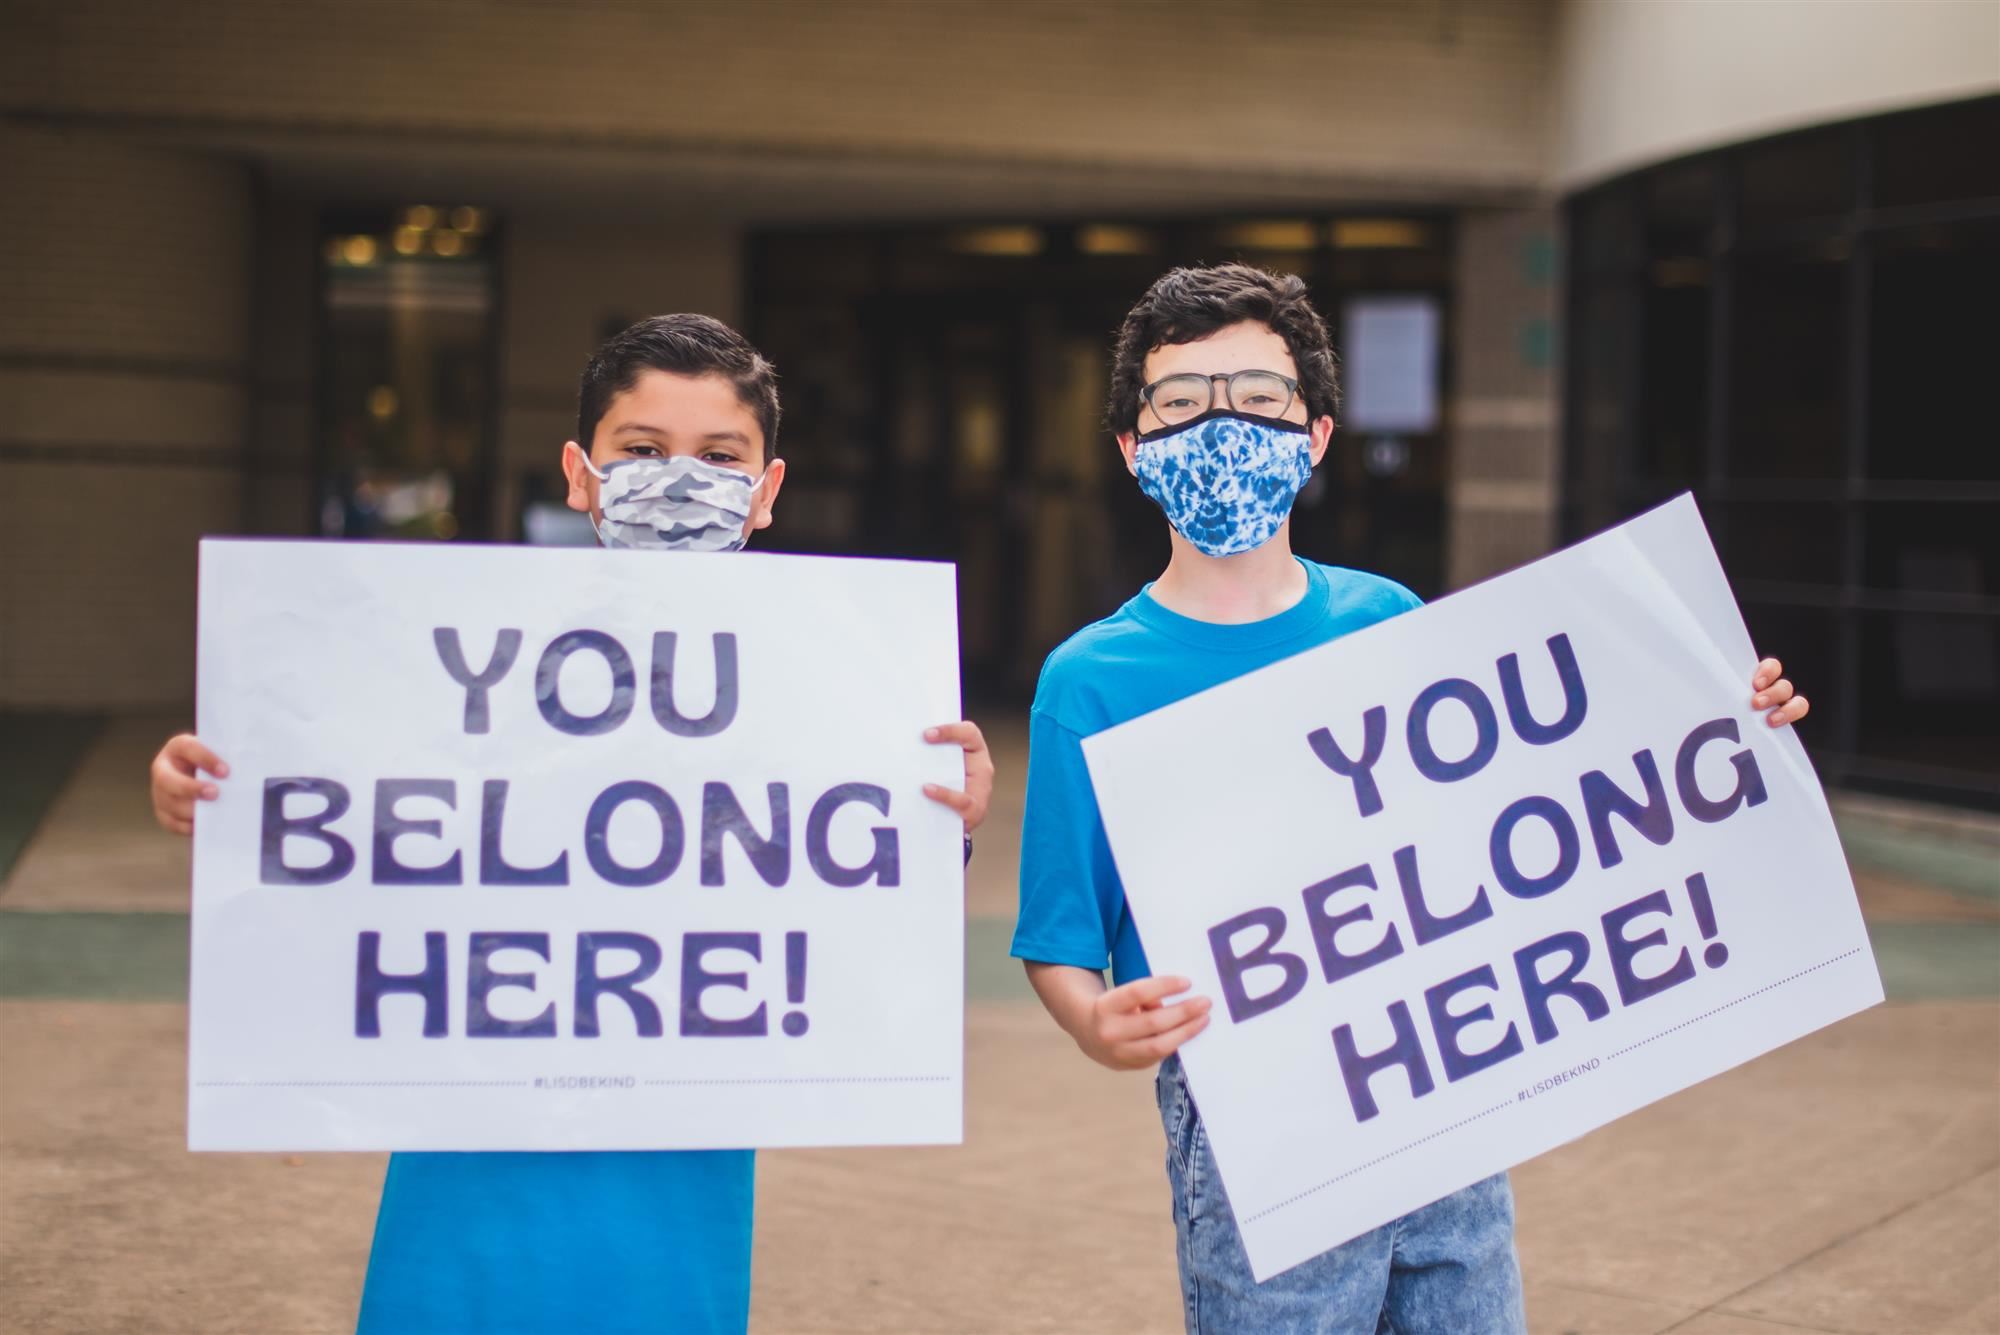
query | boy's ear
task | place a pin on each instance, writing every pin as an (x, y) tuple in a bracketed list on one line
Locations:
[(767, 494), (582, 482), (1322, 434), (1128, 445)]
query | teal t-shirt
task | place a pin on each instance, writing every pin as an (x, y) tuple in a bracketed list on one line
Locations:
[(1136, 660), (548, 1244)]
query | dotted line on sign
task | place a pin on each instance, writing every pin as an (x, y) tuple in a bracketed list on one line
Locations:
[(361, 1084), (524, 1084), (1441, 1131), (811, 1080), (1739, 1001)]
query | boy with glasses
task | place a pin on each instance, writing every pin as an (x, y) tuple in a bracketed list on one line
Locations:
[(1223, 395)]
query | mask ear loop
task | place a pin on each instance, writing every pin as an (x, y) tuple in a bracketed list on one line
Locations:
[(596, 530)]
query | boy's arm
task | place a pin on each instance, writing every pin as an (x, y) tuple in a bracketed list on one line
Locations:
[(1126, 1028), (1071, 908)]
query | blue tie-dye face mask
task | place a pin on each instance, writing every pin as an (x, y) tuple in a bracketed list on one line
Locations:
[(1226, 480)]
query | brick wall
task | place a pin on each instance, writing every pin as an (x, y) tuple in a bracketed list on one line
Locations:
[(124, 312)]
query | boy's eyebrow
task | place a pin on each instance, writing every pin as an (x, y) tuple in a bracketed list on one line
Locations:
[(736, 437)]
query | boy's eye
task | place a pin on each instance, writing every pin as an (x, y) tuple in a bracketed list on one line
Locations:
[(722, 457), (643, 451)]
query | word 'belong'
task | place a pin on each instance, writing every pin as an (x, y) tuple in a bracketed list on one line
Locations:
[(722, 817), (305, 838)]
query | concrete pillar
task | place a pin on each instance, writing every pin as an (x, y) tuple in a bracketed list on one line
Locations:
[(124, 317), (1505, 463)]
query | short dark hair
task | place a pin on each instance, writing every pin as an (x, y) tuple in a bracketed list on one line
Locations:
[(1190, 304), (684, 345)]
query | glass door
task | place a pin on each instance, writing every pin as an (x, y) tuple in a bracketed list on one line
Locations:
[(407, 377)]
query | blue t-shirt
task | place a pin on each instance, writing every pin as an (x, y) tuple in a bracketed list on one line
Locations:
[(540, 1244), (1134, 661)]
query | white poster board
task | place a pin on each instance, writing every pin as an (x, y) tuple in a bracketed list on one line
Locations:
[(1455, 910), (1389, 355), (532, 849)]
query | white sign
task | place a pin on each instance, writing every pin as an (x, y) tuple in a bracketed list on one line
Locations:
[(1390, 351), (533, 850), (1467, 884)]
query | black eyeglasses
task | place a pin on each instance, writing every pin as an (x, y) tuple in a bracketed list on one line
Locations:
[(1182, 398)]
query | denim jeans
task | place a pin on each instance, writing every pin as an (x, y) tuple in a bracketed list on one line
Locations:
[(1446, 1269)]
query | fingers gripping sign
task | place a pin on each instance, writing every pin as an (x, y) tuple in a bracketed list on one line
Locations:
[(177, 782), (1776, 694), (971, 801), (1135, 1027)]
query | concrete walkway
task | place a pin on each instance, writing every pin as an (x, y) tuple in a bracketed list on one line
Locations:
[(1849, 1182)]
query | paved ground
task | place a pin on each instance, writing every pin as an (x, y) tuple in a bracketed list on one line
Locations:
[(1850, 1182)]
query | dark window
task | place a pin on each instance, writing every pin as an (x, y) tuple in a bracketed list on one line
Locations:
[(1798, 178), (1676, 399), (1773, 541), (1945, 547), (1933, 351), (1788, 358), (1939, 155), (1804, 331)]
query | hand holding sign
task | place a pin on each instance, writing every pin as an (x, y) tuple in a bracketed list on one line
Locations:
[(1773, 690), (177, 783), (970, 801)]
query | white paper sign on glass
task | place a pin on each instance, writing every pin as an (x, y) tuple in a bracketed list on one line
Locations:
[(1390, 371), (1469, 883), (530, 849)]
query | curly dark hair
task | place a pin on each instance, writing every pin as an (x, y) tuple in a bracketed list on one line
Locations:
[(684, 345), (1190, 304)]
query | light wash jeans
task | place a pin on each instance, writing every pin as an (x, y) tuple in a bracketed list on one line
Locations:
[(1446, 1269)]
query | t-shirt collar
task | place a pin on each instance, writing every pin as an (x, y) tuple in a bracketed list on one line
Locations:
[(1297, 620)]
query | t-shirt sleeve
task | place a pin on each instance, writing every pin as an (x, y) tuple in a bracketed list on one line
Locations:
[(1071, 898)]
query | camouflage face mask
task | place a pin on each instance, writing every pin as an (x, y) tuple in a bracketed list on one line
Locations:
[(680, 504)]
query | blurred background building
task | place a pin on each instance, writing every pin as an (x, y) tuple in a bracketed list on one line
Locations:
[(332, 269)]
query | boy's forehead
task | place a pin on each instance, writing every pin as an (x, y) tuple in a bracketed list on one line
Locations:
[(1248, 346), (673, 392), (672, 403)]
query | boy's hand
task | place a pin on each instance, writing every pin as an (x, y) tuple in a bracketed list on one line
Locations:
[(978, 791), (1129, 1028), (176, 784), (1773, 692)]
